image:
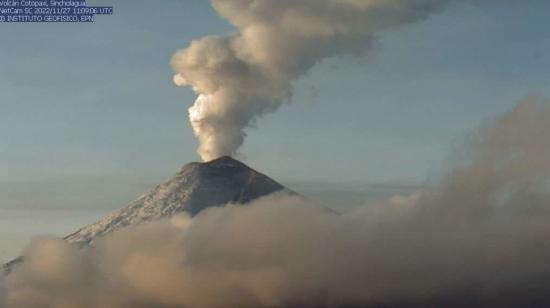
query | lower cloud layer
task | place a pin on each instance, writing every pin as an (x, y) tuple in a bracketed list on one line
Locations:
[(478, 240)]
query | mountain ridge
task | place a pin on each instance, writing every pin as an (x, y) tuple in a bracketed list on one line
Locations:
[(195, 187)]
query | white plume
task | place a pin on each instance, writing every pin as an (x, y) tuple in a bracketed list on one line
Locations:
[(241, 76)]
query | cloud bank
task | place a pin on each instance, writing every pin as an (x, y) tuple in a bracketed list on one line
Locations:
[(479, 240), (244, 75)]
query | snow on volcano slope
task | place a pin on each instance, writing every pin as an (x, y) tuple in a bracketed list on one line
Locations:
[(195, 187)]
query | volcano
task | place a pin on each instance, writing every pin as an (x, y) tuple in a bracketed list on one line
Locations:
[(195, 187)]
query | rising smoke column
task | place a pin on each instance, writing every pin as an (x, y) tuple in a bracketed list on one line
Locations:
[(241, 76)]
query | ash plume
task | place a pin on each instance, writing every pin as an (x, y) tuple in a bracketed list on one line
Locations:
[(478, 240), (241, 76)]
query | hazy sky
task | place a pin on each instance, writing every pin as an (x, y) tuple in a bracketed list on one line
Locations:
[(90, 116)]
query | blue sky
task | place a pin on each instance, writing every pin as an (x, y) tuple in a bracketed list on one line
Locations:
[(89, 111)]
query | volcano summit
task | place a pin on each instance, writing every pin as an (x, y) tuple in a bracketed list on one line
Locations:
[(195, 187)]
